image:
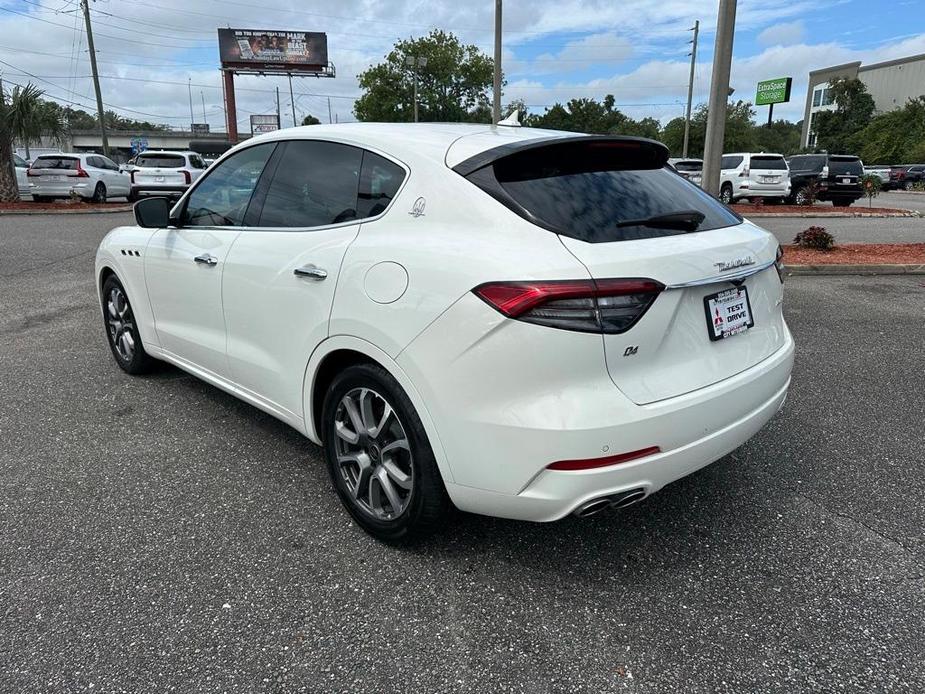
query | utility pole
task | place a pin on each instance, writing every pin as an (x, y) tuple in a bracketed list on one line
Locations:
[(415, 64), (719, 95), (330, 117), (203, 97), (690, 90), (189, 87), (279, 117), (292, 100), (496, 100), (85, 6)]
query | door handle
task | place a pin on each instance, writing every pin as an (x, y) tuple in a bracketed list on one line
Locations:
[(311, 271), (206, 259)]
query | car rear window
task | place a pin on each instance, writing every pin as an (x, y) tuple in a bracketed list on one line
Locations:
[(846, 165), (807, 163), (731, 162), (160, 161), (766, 162), (68, 163), (689, 165), (585, 190)]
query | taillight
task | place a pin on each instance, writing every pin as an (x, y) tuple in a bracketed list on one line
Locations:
[(779, 264), (80, 172), (825, 172), (30, 172), (745, 173), (608, 306), (187, 177)]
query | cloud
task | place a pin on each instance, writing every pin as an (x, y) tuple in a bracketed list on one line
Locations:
[(783, 34)]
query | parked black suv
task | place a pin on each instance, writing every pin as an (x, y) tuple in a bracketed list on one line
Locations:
[(838, 177)]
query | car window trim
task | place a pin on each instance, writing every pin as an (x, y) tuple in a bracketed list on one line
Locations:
[(349, 222), (178, 210)]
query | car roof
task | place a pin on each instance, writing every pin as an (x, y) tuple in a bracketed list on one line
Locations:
[(178, 152), (752, 154), (449, 143)]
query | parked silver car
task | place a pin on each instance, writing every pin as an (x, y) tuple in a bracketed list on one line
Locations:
[(165, 173), (90, 176)]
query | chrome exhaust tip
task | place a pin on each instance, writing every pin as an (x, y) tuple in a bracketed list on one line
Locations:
[(589, 508)]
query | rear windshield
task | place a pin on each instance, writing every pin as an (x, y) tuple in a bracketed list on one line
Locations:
[(689, 165), (160, 161), (846, 165), (584, 190), (55, 163), (765, 162), (807, 163), (731, 161)]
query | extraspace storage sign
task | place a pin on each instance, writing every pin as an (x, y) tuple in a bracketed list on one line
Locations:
[(776, 91)]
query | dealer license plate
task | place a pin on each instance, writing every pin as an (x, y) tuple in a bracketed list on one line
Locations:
[(769, 179), (845, 180), (728, 313)]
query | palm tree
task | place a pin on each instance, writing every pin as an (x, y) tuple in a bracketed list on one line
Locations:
[(25, 117)]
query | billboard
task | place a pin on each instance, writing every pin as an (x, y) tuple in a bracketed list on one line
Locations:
[(281, 51), (264, 124), (776, 91)]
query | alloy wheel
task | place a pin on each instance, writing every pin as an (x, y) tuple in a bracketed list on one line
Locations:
[(373, 455), (726, 196), (121, 323)]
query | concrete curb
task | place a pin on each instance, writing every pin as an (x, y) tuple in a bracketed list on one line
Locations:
[(834, 269), (107, 210)]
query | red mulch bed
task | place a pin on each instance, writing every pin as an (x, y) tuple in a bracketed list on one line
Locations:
[(858, 254), (814, 210), (57, 206)]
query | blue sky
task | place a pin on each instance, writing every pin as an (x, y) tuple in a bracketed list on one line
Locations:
[(554, 49)]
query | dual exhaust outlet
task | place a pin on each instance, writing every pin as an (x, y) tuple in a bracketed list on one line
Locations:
[(602, 503)]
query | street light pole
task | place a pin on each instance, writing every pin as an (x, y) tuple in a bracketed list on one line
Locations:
[(292, 100), (85, 6), (719, 95), (189, 87), (690, 90), (496, 96), (414, 64)]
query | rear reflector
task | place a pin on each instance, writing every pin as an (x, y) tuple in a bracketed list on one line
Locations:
[(599, 306), (592, 463)]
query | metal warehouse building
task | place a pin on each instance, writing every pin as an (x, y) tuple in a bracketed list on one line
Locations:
[(890, 83)]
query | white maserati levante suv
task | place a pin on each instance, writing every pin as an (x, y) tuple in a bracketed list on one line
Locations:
[(517, 322)]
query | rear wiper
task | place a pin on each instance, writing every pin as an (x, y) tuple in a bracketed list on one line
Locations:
[(685, 220)]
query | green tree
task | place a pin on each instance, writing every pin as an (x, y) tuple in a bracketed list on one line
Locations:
[(894, 137), (454, 85), (310, 120), (597, 117), (739, 136), (782, 137), (25, 118), (854, 108)]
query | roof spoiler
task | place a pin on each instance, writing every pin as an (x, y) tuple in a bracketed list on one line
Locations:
[(648, 154)]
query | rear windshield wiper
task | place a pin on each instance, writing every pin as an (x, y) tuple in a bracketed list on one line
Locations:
[(684, 220)]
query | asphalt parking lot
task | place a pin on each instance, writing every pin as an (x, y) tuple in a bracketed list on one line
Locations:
[(158, 535)]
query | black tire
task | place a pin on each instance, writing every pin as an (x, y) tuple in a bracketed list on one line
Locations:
[(799, 197), (119, 323), (908, 185), (99, 193), (40, 198), (842, 203), (427, 504), (132, 197), (725, 194)]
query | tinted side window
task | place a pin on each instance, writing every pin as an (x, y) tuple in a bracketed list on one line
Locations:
[(380, 180), (19, 161), (807, 163), (221, 199), (94, 162), (314, 185), (196, 162), (730, 162)]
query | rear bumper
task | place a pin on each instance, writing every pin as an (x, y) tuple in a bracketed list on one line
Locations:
[(62, 190), (710, 421), (750, 189), (156, 190)]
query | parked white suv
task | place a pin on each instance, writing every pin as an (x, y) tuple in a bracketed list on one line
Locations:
[(22, 180), (165, 173), (761, 175), (521, 322), (91, 176)]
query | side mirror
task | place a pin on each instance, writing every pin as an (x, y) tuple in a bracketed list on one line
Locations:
[(152, 213)]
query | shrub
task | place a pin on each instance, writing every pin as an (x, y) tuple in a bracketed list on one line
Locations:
[(807, 194), (872, 185), (816, 238)]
